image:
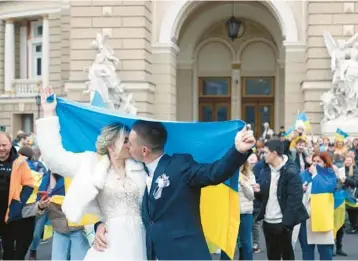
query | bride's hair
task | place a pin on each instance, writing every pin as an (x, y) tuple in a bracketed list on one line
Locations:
[(109, 135)]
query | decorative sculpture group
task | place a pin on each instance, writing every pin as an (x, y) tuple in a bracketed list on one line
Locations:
[(103, 78), (341, 101)]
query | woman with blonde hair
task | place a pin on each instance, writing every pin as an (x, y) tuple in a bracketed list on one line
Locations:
[(107, 183)]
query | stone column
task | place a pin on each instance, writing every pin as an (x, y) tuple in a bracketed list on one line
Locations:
[(295, 70), (9, 66), (312, 91), (164, 77), (279, 94), (2, 54), (236, 101), (184, 91), (45, 52), (23, 51)]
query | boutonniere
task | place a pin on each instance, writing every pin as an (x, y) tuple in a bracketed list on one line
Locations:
[(163, 182)]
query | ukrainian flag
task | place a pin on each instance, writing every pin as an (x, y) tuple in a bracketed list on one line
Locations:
[(351, 201), (322, 200), (303, 117), (223, 209), (205, 141), (37, 181), (340, 135), (339, 209), (289, 131)]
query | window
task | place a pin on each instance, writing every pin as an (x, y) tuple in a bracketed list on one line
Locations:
[(36, 31), (214, 99), (258, 86), (214, 87), (258, 102), (37, 60), (35, 47)]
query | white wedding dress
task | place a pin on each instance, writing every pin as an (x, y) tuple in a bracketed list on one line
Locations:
[(120, 203)]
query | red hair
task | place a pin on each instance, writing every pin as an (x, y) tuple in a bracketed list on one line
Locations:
[(324, 156)]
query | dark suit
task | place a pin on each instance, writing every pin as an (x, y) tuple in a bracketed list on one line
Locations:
[(173, 225)]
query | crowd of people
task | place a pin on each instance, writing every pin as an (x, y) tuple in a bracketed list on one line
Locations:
[(276, 183), (276, 194), (29, 200)]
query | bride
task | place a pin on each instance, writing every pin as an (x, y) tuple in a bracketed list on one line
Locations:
[(107, 183)]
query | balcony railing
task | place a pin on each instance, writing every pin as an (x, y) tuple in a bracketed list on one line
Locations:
[(26, 87)]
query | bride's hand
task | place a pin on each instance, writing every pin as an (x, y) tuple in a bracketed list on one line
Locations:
[(100, 242), (48, 107)]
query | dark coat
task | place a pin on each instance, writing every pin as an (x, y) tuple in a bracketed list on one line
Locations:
[(289, 194), (173, 224)]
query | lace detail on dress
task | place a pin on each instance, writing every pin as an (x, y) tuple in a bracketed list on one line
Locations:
[(120, 197)]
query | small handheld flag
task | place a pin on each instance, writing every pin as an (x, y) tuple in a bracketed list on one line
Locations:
[(303, 117), (340, 135)]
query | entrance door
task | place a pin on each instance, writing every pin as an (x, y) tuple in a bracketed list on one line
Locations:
[(257, 113), (258, 102), (214, 99)]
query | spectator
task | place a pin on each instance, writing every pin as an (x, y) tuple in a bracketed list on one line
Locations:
[(280, 190), (13, 196), (21, 140)]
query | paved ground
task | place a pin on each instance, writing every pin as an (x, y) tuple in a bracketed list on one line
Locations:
[(350, 245)]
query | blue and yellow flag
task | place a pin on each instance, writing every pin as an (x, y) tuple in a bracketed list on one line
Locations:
[(339, 209), (351, 201), (205, 141), (289, 131), (340, 135), (322, 198), (303, 117)]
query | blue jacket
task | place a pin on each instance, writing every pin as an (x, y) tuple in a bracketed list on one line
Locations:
[(173, 224)]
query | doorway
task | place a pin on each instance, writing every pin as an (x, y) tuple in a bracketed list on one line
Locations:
[(258, 102)]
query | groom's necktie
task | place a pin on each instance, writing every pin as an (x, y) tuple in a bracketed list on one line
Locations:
[(146, 169), (149, 178)]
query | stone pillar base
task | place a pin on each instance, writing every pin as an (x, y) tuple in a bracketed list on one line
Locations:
[(348, 125), (312, 91), (75, 91)]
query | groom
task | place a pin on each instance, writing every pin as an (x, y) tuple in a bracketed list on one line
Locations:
[(171, 204)]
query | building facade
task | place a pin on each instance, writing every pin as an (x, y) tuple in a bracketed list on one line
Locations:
[(176, 56)]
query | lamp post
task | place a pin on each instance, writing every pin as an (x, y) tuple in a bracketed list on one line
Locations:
[(38, 104)]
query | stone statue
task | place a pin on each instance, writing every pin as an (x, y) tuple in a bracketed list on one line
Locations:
[(103, 78), (341, 101)]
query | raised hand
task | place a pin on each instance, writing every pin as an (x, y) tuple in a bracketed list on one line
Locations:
[(244, 140), (49, 108)]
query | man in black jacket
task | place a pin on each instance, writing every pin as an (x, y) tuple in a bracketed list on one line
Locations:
[(280, 191)]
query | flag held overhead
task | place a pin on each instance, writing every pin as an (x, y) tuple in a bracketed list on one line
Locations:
[(205, 141)]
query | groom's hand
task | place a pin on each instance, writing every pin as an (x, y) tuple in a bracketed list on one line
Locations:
[(244, 140), (100, 242)]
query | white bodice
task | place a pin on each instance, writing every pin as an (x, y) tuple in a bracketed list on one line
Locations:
[(120, 197)]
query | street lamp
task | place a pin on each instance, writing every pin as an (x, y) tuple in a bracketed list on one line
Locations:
[(233, 27), (38, 104)]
